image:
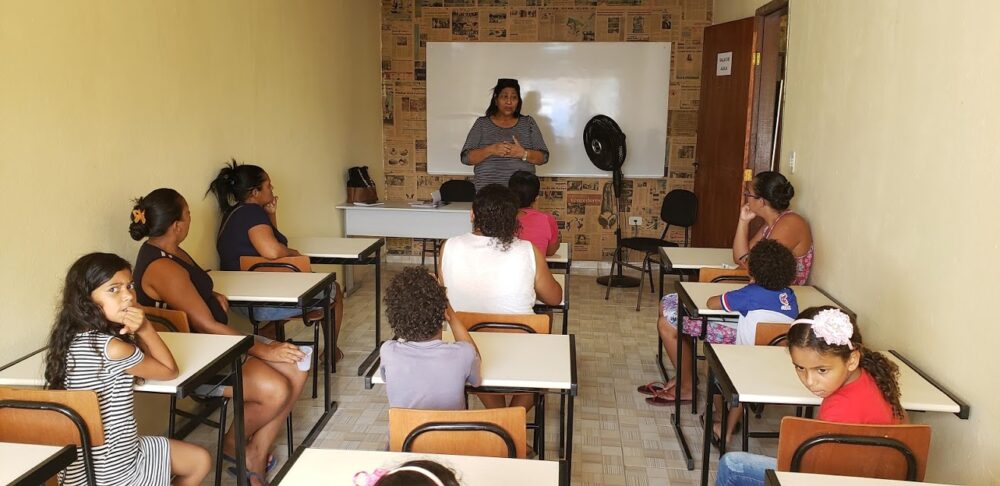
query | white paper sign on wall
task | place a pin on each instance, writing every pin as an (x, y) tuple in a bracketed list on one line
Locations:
[(724, 64)]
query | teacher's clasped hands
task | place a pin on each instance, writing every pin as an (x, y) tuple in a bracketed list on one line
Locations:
[(504, 141)]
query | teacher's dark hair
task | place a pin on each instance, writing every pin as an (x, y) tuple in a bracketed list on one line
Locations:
[(501, 84), (234, 184), (153, 213), (79, 313), (774, 188), (525, 186), (494, 214)]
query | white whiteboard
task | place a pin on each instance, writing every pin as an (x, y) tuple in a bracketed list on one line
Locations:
[(563, 85)]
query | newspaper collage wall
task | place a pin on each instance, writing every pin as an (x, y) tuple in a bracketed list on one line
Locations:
[(586, 218)]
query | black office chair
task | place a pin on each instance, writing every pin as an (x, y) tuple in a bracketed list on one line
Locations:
[(680, 208), (457, 190)]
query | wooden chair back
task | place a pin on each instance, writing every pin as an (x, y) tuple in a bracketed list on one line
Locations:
[(284, 264), (876, 458), (533, 323), (49, 427), (167, 320), (771, 333), (406, 428), (714, 275)]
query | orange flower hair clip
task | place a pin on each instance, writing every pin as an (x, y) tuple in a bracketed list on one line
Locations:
[(139, 216)]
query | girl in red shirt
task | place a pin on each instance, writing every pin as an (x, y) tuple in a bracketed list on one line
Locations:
[(857, 385)]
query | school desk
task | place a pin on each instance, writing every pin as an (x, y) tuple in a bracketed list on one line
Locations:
[(764, 374), (349, 251), (399, 219), (563, 258), (563, 307), (200, 359), (551, 369), (337, 466), (692, 301), (780, 478), (30, 464)]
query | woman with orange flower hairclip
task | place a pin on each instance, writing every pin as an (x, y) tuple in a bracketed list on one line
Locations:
[(857, 385)]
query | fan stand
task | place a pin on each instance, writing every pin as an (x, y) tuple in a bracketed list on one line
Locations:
[(620, 280)]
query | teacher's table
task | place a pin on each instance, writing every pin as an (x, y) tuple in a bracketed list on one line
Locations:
[(399, 219), (781, 478), (563, 307), (336, 466), (552, 369), (200, 358), (765, 374), (30, 464), (349, 251), (692, 301)]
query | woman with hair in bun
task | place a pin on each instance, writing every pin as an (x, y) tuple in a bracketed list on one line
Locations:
[(492, 271), (166, 276), (768, 196), (250, 228)]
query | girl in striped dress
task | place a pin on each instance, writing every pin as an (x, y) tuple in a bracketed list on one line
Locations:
[(102, 342)]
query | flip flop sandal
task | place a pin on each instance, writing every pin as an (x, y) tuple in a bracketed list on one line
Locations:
[(660, 400), (271, 461), (716, 440), (653, 388)]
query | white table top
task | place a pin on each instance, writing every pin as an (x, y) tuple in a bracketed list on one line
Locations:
[(405, 205), (765, 374), (687, 258), (192, 352), (806, 295), (333, 466), (504, 366), (803, 479), (561, 256), (16, 460), (331, 247), (265, 287)]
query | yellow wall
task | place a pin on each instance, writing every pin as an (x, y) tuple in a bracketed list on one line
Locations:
[(728, 10), (892, 111), (102, 101)]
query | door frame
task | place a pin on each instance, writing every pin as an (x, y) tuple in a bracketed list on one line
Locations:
[(768, 97)]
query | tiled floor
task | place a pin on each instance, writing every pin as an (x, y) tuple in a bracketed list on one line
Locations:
[(619, 438)]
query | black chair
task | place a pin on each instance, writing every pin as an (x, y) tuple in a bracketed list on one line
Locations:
[(679, 208), (457, 190)]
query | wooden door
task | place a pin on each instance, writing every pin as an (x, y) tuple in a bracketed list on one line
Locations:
[(723, 131)]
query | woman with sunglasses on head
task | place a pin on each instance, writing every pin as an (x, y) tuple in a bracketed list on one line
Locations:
[(768, 196)]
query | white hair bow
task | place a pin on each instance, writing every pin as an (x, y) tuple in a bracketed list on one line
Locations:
[(832, 326)]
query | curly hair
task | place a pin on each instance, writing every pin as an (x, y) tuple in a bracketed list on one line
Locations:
[(494, 213), (883, 371), (415, 304), (771, 265), (234, 184), (79, 313), (408, 477)]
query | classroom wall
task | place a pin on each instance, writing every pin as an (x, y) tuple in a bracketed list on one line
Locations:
[(106, 100), (892, 114), (576, 202), (729, 10)]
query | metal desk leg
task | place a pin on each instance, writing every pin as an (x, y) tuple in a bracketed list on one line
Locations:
[(706, 443), (378, 316), (678, 372), (569, 437), (238, 423)]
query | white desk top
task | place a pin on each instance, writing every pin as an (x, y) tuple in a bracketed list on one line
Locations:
[(803, 479), (686, 258), (333, 466), (455, 207), (806, 295), (504, 366), (331, 247), (561, 256), (765, 374), (192, 352), (265, 287), (16, 460)]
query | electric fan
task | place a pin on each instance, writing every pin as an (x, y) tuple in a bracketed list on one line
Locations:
[(605, 144)]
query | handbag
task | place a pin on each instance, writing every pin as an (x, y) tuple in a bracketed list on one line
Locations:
[(360, 186)]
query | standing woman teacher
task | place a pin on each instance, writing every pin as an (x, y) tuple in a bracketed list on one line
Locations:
[(504, 141)]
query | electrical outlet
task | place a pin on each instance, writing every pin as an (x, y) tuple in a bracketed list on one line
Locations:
[(791, 162), (635, 221)]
